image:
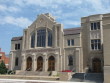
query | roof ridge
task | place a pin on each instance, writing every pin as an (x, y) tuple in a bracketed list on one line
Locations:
[(72, 28)]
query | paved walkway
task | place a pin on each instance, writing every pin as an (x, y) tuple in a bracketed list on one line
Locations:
[(32, 81)]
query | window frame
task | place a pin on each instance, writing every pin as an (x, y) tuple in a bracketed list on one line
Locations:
[(16, 61), (95, 26), (17, 46), (95, 44), (70, 60)]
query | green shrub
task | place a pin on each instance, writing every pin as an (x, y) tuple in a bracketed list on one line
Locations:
[(3, 69)]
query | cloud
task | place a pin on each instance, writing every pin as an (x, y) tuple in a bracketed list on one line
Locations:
[(46, 3), (5, 8), (20, 22), (71, 23)]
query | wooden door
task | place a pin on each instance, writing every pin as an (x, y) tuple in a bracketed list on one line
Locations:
[(96, 66), (51, 64), (29, 64), (39, 64)]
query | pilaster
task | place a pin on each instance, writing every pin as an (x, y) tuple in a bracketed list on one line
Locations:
[(45, 62), (23, 62), (34, 62)]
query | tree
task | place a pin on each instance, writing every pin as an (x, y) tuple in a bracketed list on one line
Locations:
[(3, 69)]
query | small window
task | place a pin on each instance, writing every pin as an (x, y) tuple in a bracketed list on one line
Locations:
[(96, 44), (70, 60), (92, 26), (17, 46), (72, 42), (98, 25), (16, 61), (68, 42), (0, 57), (95, 26)]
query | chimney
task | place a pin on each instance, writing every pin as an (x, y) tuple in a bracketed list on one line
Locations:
[(0, 49)]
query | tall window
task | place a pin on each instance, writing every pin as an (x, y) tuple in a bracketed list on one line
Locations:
[(68, 42), (41, 38), (49, 38), (16, 61), (95, 44), (95, 26), (33, 40), (70, 60), (44, 35)]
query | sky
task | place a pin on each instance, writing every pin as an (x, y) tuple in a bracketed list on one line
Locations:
[(16, 15)]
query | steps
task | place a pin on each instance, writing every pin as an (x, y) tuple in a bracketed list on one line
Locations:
[(89, 77), (33, 73), (94, 77)]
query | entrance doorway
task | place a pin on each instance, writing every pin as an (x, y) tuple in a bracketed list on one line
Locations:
[(39, 63), (96, 64), (51, 63), (29, 64)]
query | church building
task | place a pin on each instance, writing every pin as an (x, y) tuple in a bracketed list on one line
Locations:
[(47, 46)]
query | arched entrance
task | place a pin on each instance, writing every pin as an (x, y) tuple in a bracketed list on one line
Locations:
[(51, 63), (96, 65), (29, 64), (39, 63)]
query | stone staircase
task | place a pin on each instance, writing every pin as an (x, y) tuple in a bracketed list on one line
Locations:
[(33, 73), (89, 77)]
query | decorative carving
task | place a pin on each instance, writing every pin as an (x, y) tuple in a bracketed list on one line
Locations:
[(46, 24), (41, 50), (41, 20)]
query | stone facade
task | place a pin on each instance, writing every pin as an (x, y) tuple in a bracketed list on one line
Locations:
[(59, 48), (77, 49), (106, 45)]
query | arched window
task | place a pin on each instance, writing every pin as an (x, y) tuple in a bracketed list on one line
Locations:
[(41, 38), (33, 40), (16, 61), (70, 60), (49, 38)]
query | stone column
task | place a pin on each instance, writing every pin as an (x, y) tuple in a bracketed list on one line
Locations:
[(55, 37), (46, 43), (34, 62), (11, 61), (45, 63), (35, 39), (77, 60), (57, 64)]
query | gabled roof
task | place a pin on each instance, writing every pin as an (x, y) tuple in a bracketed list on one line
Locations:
[(72, 31), (16, 38)]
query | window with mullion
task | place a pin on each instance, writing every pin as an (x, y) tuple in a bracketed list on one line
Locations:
[(41, 38), (96, 44), (95, 26)]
